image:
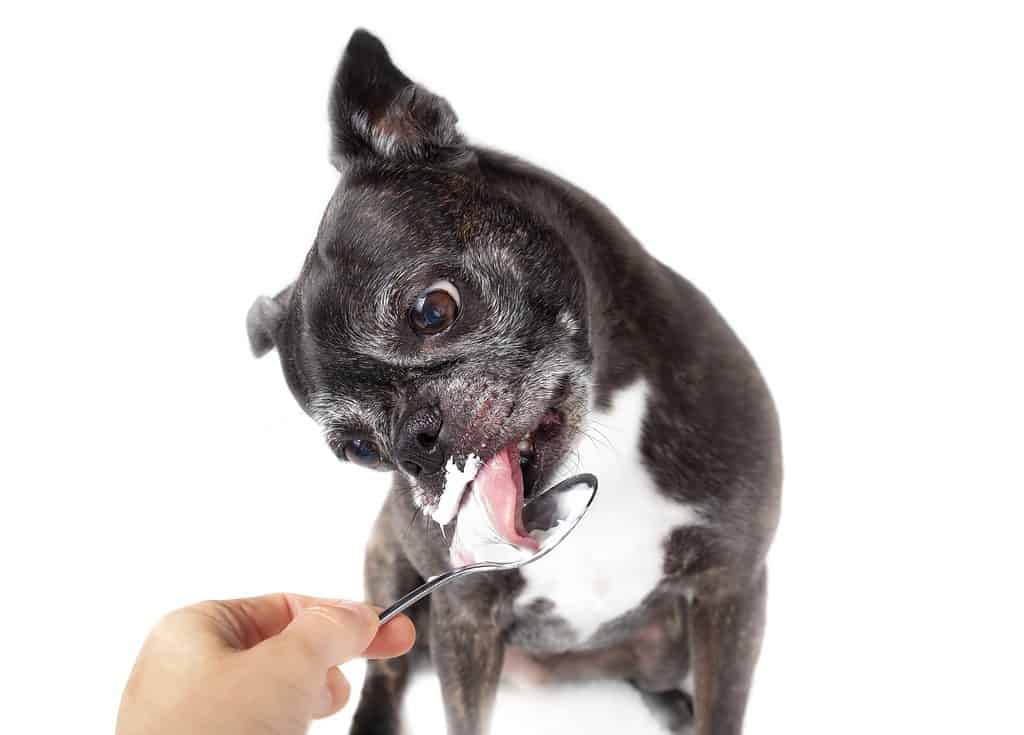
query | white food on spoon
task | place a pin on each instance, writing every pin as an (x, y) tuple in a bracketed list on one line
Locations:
[(455, 481), (477, 540), (571, 504)]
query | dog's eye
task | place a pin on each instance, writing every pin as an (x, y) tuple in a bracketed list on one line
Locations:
[(436, 309), (362, 453)]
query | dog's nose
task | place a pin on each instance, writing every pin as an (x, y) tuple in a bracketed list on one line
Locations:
[(418, 448)]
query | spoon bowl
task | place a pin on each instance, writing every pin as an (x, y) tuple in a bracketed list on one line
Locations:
[(549, 517)]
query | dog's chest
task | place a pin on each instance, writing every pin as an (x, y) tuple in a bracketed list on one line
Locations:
[(615, 557)]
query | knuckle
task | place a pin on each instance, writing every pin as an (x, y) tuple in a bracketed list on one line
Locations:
[(328, 614)]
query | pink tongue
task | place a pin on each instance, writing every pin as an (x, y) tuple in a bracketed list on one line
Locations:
[(500, 485)]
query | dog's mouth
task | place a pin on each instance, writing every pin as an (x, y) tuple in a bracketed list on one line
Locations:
[(486, 498)]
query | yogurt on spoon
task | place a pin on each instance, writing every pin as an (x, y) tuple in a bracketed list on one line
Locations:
[(489, 511)]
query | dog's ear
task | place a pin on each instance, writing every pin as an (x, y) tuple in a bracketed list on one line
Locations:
[(265, 319), (377, 111)]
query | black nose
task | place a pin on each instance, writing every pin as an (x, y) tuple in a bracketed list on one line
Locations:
[(418, 448)]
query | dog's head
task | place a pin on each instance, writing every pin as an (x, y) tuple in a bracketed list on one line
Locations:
[(433, 318)]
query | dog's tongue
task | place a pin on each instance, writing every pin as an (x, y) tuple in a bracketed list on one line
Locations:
[(500, 486), (494, 508)]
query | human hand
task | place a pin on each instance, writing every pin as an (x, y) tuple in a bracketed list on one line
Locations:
[(263, 664)]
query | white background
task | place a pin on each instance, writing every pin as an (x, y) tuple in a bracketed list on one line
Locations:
[(844, 180)]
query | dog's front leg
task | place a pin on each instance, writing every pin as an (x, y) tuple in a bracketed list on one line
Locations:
[(389, 575), (467, 651), (725, 638)]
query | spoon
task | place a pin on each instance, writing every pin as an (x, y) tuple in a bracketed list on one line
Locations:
[(554, 513)]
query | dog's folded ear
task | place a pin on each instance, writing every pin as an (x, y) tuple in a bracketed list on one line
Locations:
[(377, 111), (265, 319)]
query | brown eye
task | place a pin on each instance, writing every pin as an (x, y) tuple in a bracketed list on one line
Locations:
[(362, 453), (436, 309)]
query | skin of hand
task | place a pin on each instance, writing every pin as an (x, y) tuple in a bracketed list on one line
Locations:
[(257, 665)]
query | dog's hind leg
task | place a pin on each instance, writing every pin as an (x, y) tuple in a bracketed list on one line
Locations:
[(664, 669), (725, 637), (389, 575)]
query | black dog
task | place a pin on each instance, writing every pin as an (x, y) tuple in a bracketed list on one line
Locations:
[(462, 308)]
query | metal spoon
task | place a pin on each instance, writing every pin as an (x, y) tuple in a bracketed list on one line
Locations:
[(556, 511)]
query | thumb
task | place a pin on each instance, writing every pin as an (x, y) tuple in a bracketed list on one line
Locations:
[(321, 635)]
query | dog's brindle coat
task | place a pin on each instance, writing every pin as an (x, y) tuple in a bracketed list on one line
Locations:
[(562, 309)]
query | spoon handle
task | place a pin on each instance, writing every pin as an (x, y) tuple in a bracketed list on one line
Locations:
[(427, 587)]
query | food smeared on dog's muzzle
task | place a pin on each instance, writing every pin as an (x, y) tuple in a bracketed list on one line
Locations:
[(455, 481)]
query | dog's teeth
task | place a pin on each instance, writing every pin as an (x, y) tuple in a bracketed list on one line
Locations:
[(525, 446)]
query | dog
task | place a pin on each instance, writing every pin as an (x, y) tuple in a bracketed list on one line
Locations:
[(460, 305)]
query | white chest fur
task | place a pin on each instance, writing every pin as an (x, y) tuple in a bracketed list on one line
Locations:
[(614, 558)]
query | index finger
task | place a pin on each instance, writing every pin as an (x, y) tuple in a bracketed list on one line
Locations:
[(241, 623), (326, 633)]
